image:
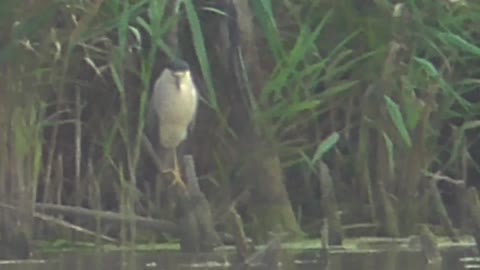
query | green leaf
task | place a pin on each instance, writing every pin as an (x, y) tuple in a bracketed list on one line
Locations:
[(287, 66), (444, 86), (291, 111), (459, 141), (264, 14), (117, 80), (337, 89), (215, 11), (427, 66), (413, 105), (156, 12), (459, 42), (396, 115), (136, 34), (199, 45), (391, 160), (325, 146), (123, 26), (145, 25)]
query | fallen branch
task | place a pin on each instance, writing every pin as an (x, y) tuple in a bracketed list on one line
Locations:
[(160, 226), (58, 222)]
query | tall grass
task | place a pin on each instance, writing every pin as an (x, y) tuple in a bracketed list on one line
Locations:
[(396, 103)]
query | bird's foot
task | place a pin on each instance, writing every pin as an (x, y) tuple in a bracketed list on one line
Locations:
[(177, 178)]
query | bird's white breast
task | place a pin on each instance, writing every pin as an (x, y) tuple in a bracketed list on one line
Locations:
[(175, 108)]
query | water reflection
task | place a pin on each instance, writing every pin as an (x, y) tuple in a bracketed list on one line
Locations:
[(307, 260)]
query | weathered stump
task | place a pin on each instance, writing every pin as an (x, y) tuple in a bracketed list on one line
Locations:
[(329, 205), (197, 232)]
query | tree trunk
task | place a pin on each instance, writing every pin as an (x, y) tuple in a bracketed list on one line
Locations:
[(239, 77)]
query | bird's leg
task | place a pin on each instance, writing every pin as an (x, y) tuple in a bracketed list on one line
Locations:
[(177, 178), (176, 168)]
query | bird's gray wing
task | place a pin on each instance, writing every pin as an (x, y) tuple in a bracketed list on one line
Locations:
[(151, 126), (164, 159), (191, 126)]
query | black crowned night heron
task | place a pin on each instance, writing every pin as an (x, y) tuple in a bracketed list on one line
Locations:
[(172, 112)]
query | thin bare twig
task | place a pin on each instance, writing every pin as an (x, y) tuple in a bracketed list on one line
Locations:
[(438, 176)]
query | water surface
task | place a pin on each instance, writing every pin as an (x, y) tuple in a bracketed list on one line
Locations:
[(452, 259)]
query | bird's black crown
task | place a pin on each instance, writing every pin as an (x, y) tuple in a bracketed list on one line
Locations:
[(178, 65)]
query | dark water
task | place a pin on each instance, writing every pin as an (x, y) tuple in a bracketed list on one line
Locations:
[(306, 260)]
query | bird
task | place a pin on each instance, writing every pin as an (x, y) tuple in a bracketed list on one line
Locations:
[(172, 110)]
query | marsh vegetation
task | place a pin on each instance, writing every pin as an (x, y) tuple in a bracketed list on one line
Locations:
[(318, 119)]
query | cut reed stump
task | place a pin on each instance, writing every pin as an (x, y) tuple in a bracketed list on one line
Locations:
[(473, 206), (429, 245), (194, 217), (14, 243), (440, 210), (329, 205), (243, 245)]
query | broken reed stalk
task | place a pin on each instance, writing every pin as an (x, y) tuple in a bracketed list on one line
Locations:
[(441, 210), (78, 148), (473, 206), (191, 175), (243, 245), (329, 204)]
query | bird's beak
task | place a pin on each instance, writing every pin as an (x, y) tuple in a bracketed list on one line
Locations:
[(179, 77)]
